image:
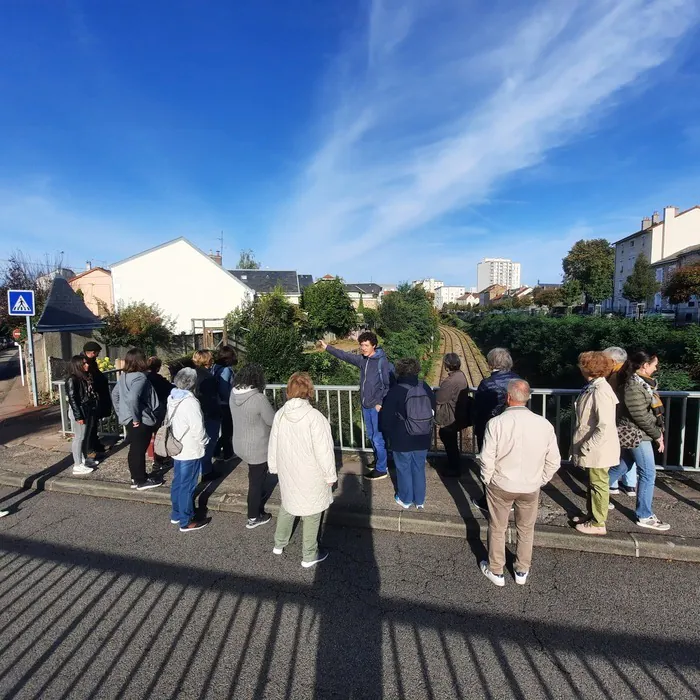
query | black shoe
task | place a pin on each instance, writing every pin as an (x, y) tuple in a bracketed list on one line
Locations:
[(148, 484), (262, 519), (195, 525), (374, 475), (481, 504)]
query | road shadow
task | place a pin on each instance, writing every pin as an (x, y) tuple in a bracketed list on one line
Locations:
[(206, 489), (352, 624), (36, 483), (84, 623)]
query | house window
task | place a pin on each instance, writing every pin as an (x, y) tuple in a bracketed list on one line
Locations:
[(691, 304), (622, 269), (631, 244), (689, 317)]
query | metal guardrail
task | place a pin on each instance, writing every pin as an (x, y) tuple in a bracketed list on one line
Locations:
[(341, 405)]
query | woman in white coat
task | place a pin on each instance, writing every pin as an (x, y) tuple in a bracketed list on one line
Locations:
[(187, 425), (301, 454)]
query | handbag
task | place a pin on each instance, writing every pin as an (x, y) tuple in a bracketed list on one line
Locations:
[(165, 443), (630, 435)]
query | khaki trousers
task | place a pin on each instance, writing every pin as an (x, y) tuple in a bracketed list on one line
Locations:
[(598, 495), (500, 503)]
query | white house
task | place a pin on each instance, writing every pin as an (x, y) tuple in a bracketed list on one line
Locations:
[(184, 281), (657, 240), (447, 295), (468, 299), (429, 284)]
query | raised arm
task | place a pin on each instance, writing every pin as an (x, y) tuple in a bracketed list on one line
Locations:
[(349, 357)]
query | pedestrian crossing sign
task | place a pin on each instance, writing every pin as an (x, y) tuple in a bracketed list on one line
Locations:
[(20, 302)]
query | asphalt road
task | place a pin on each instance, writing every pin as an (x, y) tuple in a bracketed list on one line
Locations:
[(106, 599), (9, 368)]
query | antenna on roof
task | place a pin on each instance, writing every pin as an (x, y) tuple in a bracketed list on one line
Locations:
[(221, 244)]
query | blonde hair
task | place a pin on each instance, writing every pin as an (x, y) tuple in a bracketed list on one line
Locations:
[(300, 386), (203, 358)]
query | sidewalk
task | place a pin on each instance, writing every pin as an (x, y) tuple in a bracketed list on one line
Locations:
[(40, 460)]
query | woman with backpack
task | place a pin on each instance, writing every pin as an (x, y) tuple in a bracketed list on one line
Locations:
[(223, 371), (83, 403), (186, 424), (136, 404), (408, 415)]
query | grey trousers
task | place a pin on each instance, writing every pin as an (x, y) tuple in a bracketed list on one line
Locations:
[(80, 438)]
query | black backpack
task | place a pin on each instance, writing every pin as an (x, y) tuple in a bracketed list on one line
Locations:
[(419, 416)]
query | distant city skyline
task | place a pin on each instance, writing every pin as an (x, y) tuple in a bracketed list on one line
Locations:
[(370, 138)]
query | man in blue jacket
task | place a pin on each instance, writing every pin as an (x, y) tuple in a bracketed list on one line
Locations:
[(375, 378)]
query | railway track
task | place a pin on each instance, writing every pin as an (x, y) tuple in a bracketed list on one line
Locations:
[(473, 363)]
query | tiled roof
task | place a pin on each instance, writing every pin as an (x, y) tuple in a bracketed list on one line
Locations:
[(363, 288), (87, 272), (265, 281), (305, 281), (66, 311), (675, 256)]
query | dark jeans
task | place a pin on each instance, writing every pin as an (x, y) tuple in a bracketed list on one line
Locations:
[(450, 439), (139, 440), (212, 427), (224, 446), (256, 484), (93, 440)]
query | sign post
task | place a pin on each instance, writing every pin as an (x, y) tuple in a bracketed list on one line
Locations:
[(20, 302)]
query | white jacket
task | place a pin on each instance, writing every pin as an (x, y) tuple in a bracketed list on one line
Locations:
[(187, 424), (520, 452), (301, 454)]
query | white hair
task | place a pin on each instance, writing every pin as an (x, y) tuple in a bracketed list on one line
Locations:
[(519, 390), (186, 379), (616, 354), (499, 358)]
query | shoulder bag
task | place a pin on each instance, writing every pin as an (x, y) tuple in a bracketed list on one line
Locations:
[(165, 443)]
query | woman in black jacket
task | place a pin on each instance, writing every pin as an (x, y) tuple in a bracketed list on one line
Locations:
[(82, 409)]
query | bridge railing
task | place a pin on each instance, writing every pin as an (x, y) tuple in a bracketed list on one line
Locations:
[(341, 405)]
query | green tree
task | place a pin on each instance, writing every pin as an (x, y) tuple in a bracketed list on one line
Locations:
[(571, 293), (329, 308), (684, 283), (137, 324), (546, 297), (247, 261), (592, 264), (370, 318), (641, 285)]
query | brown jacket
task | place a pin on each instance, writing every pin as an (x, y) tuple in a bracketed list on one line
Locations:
[(596, 444), (447, 396)]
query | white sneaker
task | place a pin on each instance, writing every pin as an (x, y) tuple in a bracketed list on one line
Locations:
[(81, 469), (494, 578), (321, 556), (521, 578), (611, 506), (653, 523), (278, 550), (3, 513)]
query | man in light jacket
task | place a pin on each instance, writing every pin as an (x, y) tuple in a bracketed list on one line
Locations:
[(519, 456), (187, 425)]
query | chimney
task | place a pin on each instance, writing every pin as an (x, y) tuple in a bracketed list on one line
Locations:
[(656, 218), (216, 257), (88, 265), (670, 213), (646, 223)]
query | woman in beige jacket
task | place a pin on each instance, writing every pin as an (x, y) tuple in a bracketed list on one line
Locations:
[(596, 446), (301, 453)]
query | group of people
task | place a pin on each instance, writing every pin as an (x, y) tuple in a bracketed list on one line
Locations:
[(211, 411), (618, 419)]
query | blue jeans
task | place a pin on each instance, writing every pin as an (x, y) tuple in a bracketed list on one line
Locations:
[(212, 427), (182, 489), (643, 456), (628, 480), (371, 417), (410, 476)]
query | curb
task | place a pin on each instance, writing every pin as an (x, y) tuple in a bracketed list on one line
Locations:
[(629, 544)]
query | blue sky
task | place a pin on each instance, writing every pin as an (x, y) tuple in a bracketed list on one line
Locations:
[(379, 140)]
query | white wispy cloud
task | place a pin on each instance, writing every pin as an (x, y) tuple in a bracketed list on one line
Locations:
[(436, 104)]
